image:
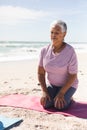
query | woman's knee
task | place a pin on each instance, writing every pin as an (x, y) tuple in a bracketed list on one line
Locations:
[(65, 106), (48, 104)]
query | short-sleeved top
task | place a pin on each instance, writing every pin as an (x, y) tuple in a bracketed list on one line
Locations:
[(59, 66)]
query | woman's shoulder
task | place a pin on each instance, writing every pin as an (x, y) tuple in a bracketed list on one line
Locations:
[(69, 47), (46, 48)]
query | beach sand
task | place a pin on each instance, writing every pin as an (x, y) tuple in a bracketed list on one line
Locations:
[(20, 77)]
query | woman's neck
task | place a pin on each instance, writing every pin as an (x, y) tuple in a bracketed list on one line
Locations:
[(57, 49)]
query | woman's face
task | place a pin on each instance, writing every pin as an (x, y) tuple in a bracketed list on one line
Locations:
[(57, 36)]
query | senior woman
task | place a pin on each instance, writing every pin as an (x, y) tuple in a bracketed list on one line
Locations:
[(57, 69)]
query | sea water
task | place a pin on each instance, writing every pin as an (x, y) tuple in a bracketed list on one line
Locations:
[(28, 50)]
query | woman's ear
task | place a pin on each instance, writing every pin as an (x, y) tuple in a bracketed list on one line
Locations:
[(64, 34)]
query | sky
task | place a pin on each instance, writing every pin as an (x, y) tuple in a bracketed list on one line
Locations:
[(29, 20)]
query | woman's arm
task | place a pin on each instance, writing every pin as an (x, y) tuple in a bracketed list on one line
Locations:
[(69, 82), (41, 78)]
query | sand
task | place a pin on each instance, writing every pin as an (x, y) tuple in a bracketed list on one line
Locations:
[(20, 77)]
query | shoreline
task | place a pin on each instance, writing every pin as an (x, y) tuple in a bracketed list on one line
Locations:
[(29, 58)]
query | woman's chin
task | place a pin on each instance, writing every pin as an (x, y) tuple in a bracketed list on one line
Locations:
[(54, 42)]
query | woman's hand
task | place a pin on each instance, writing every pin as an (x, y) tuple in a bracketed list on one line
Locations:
[(44, 98), (59, 101)]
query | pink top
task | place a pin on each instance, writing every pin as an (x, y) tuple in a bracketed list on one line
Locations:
[(59, 65)]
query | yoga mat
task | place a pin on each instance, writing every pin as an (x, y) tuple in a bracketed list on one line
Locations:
[(7, 123), (77, 108)]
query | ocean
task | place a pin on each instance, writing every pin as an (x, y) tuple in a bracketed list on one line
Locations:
[(28, 50)]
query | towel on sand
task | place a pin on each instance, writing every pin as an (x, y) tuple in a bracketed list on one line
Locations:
[(77, 108)]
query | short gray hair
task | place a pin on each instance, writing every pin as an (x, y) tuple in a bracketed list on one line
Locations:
[(59, 23)]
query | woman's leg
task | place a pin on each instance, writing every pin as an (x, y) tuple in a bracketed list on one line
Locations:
[(68, 97), (52, 90)]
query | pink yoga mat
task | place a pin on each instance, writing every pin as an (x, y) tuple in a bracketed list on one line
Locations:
[(78, 109)]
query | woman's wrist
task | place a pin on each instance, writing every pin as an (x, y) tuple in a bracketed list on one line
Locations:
[(44, 93), (61, 93)]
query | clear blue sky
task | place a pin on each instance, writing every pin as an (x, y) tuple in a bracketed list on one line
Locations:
[(30, 19)]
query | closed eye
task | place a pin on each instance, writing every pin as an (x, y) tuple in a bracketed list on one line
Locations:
[(56, 33)]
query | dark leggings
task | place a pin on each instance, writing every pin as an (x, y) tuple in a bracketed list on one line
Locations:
[(53, 91)]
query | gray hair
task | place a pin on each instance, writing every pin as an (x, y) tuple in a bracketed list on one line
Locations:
[(61, 24)]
